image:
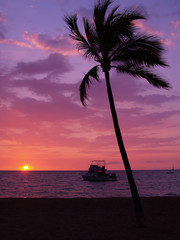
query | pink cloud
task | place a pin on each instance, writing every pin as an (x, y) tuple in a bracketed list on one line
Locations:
[(13, 42), (6, 41), (167, 42), (175, 35), (147, 29), (176, 24), (61, 44), (144, 28)]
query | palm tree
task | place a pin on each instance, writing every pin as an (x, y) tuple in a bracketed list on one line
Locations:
[(112, 41)]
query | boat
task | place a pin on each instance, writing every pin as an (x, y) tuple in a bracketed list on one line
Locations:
[(97, 172), (171, 171)]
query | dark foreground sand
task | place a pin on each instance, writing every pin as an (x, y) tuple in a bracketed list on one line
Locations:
[(88, 219)]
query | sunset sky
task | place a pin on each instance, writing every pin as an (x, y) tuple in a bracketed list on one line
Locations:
[(42, 122)]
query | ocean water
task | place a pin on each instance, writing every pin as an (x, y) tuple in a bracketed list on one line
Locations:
[(69, 184)]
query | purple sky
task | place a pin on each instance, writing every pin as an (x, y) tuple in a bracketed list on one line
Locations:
[(42, 122)]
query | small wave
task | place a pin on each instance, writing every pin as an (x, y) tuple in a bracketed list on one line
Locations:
[(170, 194)]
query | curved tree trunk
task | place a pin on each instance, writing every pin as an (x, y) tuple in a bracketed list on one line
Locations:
[(134, 192)]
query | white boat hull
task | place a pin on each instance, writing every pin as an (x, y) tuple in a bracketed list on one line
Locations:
[(95, 178)]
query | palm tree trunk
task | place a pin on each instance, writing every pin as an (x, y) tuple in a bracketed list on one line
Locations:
[(134, 192)]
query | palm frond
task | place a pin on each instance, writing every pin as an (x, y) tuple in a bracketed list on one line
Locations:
[(91, 36), (100, 10), (92, 74), (151, 77), (118, 27), (112, 15), (132, 14), (74, 30), (139, 49), (99, 15), (123, 22), (75, 34), (81, 42)]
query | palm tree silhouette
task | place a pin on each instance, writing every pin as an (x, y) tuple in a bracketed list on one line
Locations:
[(111, 40)]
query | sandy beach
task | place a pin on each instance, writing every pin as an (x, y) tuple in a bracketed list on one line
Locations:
[(88, 219)]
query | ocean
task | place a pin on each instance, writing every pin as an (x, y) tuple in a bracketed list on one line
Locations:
[(69, 184)]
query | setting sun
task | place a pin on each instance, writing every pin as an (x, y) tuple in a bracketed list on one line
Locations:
[(26, 167)]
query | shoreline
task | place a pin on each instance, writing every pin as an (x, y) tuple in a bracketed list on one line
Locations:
[(88, 218)]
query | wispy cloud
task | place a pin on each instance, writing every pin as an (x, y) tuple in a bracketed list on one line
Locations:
[(176, 30), (176, 24), (6, 41), (14, 42), (167, 42), (143, 27), (60, 44), (147, 29)]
